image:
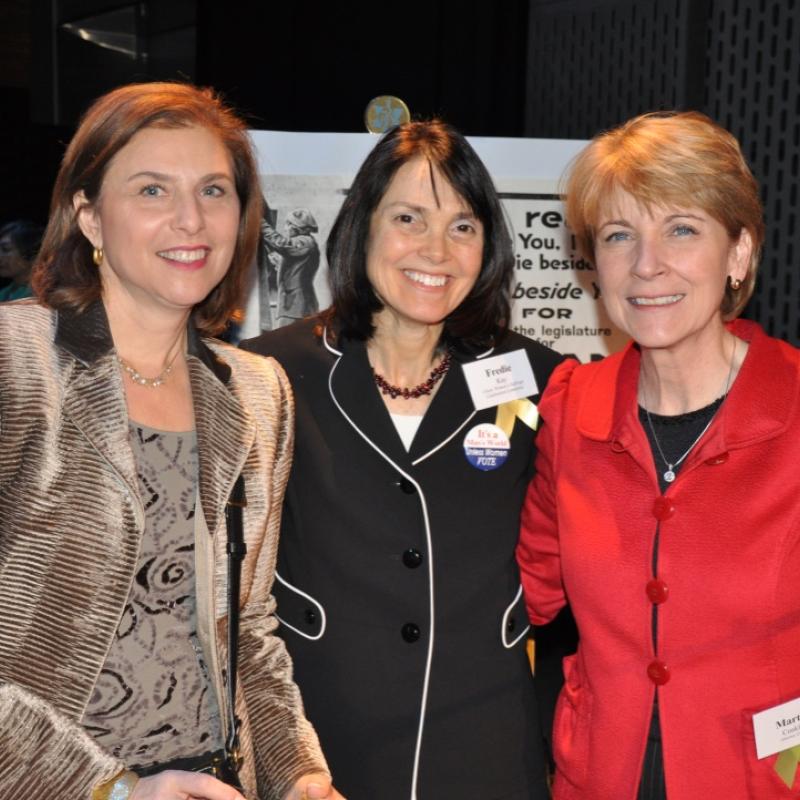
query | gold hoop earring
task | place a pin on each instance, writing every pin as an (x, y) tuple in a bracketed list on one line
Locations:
[(736, 284), (97, 256)]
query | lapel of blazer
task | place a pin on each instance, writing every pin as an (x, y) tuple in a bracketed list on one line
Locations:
[(609, 408), (450, 411), (448, 414), (353, 390), (225, 428), (94, 398), (763, 394)]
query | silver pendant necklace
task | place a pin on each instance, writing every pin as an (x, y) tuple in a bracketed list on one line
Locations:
[(669, 473)]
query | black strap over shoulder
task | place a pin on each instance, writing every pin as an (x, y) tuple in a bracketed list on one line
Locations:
[(223, 765), (237, 549)]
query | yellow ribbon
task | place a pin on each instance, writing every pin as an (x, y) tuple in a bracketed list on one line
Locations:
[(530, 649), (786, 765), (509, 412)]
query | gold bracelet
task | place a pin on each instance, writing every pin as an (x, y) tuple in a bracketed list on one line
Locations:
[(120, 787)]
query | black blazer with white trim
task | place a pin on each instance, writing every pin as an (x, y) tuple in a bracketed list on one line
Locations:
[(397, 587)]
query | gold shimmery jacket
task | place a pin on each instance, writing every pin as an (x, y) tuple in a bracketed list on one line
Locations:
[(71, 521)]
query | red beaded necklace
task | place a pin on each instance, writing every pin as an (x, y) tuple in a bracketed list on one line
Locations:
[(424, 388)]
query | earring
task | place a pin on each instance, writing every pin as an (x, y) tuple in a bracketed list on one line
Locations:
[(736, 284), (97, 256)]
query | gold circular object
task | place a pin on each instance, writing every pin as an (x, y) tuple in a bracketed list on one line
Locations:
[(385, 112), (120, 787)]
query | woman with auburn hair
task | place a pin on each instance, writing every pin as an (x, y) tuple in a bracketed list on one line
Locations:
[(134, 588), (666, 508), (399, 598)]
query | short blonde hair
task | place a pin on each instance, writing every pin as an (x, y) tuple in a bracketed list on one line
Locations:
[(669, 159)]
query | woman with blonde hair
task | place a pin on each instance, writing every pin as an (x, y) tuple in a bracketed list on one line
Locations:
[(129, 442), (666, 508)]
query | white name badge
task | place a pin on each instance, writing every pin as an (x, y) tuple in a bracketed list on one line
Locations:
[(498, 379), (777, 728)]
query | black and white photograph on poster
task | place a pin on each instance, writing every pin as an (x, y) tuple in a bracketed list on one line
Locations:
[(288, 261), (305, 177), (298, 213)]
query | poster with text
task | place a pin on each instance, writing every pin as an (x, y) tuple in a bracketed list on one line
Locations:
[(555, 295)]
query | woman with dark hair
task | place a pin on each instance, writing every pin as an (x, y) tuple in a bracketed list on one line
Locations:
[(666, 508), (19, 244), (398, 594), (124, 431)]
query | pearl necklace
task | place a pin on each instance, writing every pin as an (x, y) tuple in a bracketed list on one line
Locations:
[(424, 388), (669, 473), (140, 379)]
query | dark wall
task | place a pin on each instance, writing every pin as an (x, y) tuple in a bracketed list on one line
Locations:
[(29, 154), (315, 67), (288, 66), (56, 56), (593, 65), (547, 68), (752, 87)]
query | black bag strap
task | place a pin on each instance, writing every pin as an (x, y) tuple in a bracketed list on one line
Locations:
[(237, 550)]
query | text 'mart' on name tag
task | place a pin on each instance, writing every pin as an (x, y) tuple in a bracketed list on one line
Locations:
[(777, 728)]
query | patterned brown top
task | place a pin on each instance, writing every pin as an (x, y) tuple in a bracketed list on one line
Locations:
[(153, 701)]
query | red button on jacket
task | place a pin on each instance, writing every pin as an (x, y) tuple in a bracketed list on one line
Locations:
[(663, 508), (658, 672), (657, 591)]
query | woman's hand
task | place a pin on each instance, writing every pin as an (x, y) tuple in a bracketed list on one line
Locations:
[(178, 785), (314, 786)]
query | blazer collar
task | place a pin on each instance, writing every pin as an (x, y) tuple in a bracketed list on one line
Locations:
[(86, 336), (94, 397), (225, 429), (449, 411), (353, 388), (758, 406), (95, 400), (197, 347)]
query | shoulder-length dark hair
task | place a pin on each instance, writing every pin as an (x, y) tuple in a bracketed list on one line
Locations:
[(64, 275), (25, 235), (484, 313)]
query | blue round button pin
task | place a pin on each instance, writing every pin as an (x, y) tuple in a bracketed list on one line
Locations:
[(486, 446)]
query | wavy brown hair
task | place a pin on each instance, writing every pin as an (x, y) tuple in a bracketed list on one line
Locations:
[(64, 275)]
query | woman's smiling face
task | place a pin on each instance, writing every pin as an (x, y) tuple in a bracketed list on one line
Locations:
[(167, 218), (425, 247), (662, 270)]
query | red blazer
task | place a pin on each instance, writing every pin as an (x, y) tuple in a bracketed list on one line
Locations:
[(729, 630)]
